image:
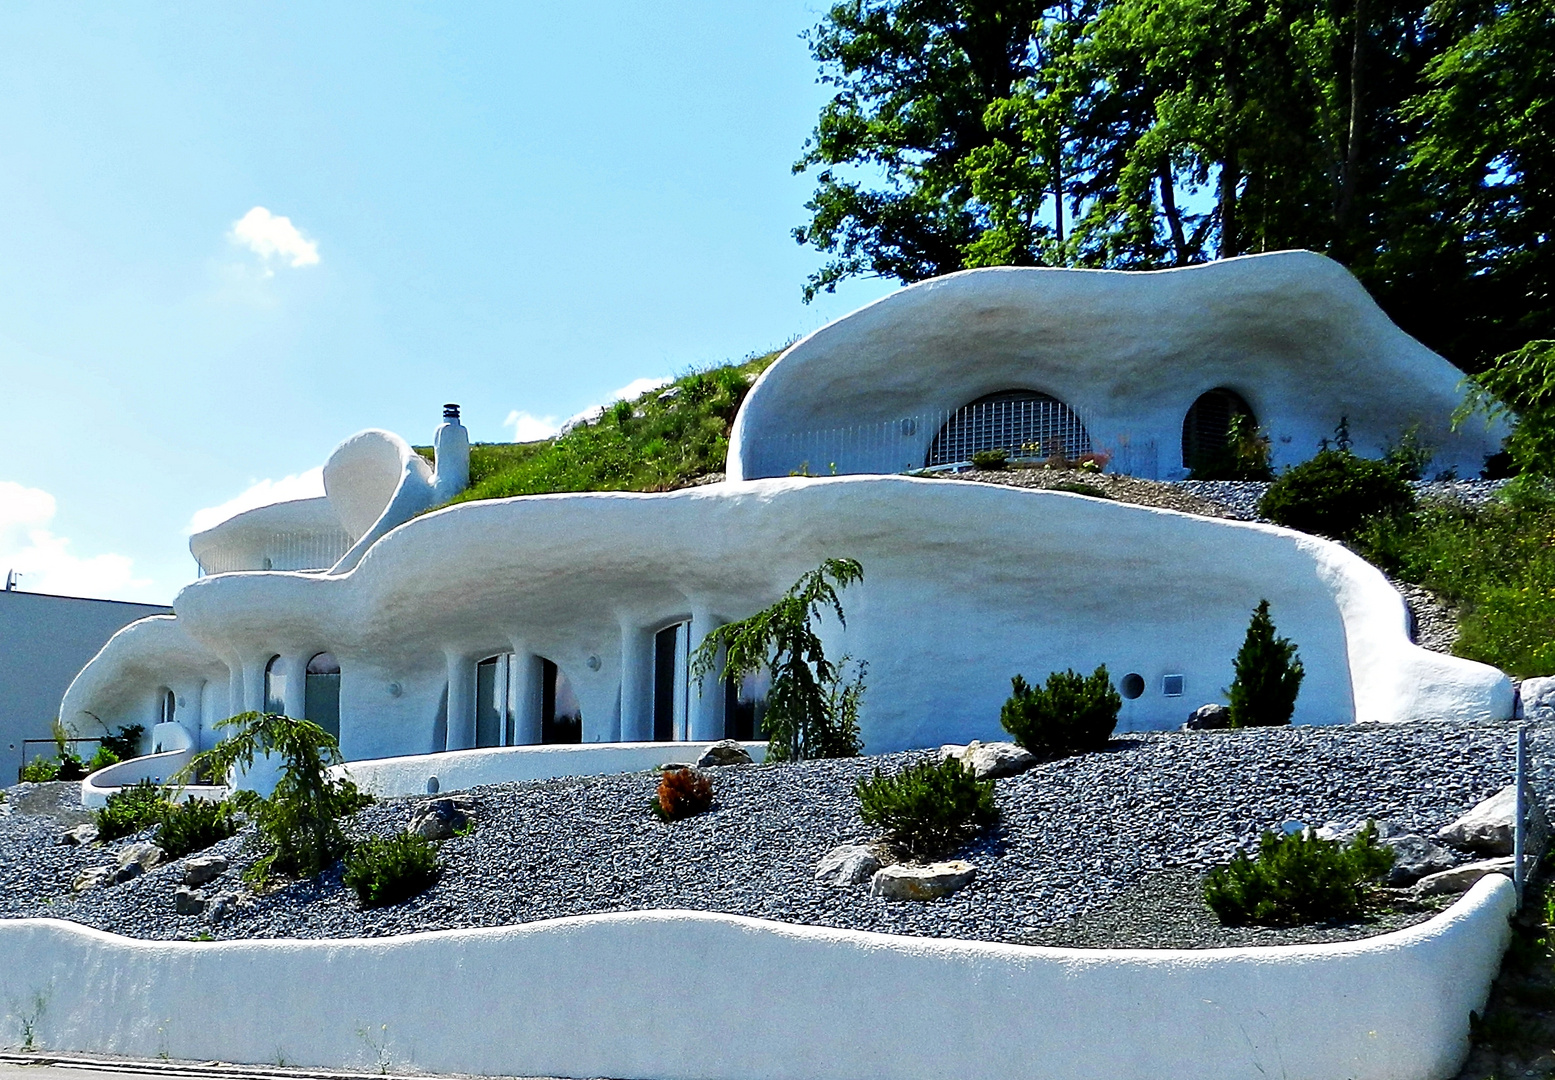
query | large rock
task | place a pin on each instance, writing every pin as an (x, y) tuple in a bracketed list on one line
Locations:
[(1208, 718), (80, 836), (989, 761), (1460, 878), (929, 882), (187, 902), (440, 819), (1537, 697), (221, 906), (1487, 828), (205, 869), (849, 864), (136, 860), (724, 752), (93, 876), (1415, 857)]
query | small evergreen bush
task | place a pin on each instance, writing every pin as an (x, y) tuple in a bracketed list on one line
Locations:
[(40, 770), (1298, 879), (1268, 675), (1335, 493), (990, 459), (131, 809), (927, 808), (682, 793), (194, 825), (387, 870), (1072, 714)]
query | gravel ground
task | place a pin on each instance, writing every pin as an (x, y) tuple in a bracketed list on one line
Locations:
[(1086, 850)]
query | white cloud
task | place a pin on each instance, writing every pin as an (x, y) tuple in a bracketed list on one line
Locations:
[(630, 392), (45, 562), (530, 428), (269, 236), (307, 485)]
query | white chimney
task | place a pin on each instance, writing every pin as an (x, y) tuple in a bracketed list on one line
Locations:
[(451, 455)]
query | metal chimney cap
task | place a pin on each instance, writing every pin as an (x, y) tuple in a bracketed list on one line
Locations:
[(451, 412)]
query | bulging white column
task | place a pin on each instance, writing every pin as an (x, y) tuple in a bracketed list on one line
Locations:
[(636, 682), (461, 701), (295, 668), (254, 683), (706, 706), (527, 696)]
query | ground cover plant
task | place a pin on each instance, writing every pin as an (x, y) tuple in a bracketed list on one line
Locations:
[(1268, 675), (812, 709), (1071, 714), (297, 825), (681, 793), (1298, 879), (384, 870), (131, 809), (927, 809), (661, 439)]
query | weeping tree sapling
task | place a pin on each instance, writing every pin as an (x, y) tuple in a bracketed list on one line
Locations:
[(812, 712)]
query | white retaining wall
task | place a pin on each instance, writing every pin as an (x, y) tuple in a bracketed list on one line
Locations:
[(675, 995), (457, 770)]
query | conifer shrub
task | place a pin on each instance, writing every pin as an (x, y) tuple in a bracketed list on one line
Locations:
[(1071, 714), (131, 809), (1335, 494), (993, 460), (927, 809), (1298, 879), (1268, 675), (682, 793), (386, 870), (194, 825)]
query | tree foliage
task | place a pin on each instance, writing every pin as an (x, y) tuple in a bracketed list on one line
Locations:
[(812, 712), (1409, 140), (1268, 675)]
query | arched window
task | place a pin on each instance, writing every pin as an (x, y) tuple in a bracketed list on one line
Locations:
[(1022, 423), (493, 710), (321, 693), (275, 687), (1208, 423), (167, 706)]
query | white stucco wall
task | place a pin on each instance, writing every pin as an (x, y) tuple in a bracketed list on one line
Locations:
[(965, 585), (1292, 332), (676, 995)]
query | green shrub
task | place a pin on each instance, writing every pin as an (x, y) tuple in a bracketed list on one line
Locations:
[(1245, 455), (125, 743), (387, 870), (194, 825), (1080, 487), (811, 712), (927, 808), (131, 809), (1519, 386), (1298, 879), (101, 760), (1335, 493), (297, 826), (1268, 675), (1072, 714), (990, 459), (40, 770)]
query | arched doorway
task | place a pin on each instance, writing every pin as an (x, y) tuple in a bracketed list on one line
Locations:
[(493, 701), (321, 693), (1208, 423), (1022, 423), (561, 718), (275, 687), (671, 682)]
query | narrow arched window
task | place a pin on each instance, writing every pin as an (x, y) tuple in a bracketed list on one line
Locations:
[(1208, 424), (321, 692)]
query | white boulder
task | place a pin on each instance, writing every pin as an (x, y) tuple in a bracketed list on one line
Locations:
[(901, 882), (1460, 878), (847, 864), (1488, 827), (1538, 698), (988, 761)]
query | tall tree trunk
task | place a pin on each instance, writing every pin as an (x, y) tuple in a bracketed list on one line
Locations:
[(1230, 170), (1352, 148), (1173, 216), (1058, 191)]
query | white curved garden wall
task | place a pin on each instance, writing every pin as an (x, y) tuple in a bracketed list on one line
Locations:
[(674, 995), (457, 770)]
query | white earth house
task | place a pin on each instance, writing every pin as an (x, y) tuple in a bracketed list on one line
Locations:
[(571, 617)]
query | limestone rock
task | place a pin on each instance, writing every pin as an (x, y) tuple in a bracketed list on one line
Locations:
[(206, 868), (93, 876), (1208, 718), (724, 752), (1415, 857), (901, 882), (440, 819), (1538, 699), (188, 902), (80, 836), (848, 864), (988, 761), (1487, 828), (136, 860), (221, 906), (1460, 878)]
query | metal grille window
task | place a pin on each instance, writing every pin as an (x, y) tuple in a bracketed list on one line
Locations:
[(1022, 423), (1208, 423)]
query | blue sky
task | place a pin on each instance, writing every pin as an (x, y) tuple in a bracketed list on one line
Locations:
[(518, 207)]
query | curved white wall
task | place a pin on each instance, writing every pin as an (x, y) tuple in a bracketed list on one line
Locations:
[(964, 586), (679, 995), (1293, 332)]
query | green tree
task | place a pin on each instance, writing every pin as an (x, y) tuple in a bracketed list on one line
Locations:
[(810, 713), (1520, 387), (1268, 675)]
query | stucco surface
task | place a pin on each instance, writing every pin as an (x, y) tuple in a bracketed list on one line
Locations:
[(1292, 332), (964, 586), (675, 995)]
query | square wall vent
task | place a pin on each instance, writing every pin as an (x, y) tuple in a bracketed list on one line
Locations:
[(1171, 685)]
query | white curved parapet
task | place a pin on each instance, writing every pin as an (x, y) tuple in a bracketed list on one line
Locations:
[(457, 770), (679, 995), (964, 586), (1130, 352)]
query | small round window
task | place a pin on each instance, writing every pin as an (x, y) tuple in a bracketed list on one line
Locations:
[(1133, 685)]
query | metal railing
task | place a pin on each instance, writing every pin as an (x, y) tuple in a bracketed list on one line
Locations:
[(314, 550)]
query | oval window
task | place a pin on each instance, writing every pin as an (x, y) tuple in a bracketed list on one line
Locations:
[(1132, 686)]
